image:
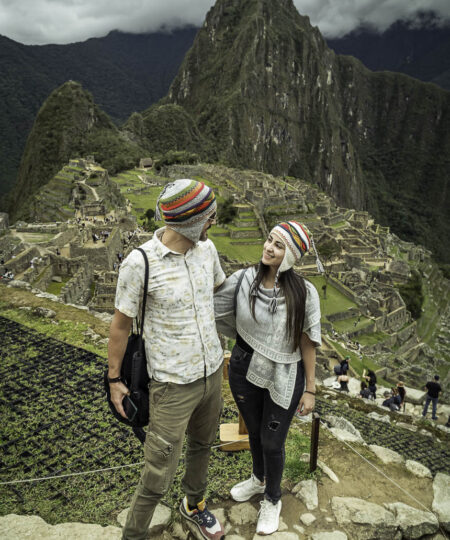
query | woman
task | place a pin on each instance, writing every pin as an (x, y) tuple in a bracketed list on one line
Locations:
[(276, 315), (402, 394), (365, 392), (371, 378)]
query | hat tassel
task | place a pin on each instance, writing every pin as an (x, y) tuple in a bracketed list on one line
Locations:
[(319, 264)]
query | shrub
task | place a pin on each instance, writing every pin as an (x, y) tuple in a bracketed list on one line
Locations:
[(227, 211), (412, 294)]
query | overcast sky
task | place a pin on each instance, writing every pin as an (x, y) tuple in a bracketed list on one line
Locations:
[(66, 21)]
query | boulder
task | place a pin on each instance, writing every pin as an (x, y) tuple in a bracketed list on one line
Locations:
[(386, 455), (306, 491), (307, 519), (159, 522), (364, 520), (331, 475), (415, 396), (278, 536), (57, 279), (14, 527), (380, 417), (418, 469), (333, 535), (404, 425), (341, 423), (412, 522), (243, 513), (343, 435), (19, 284), (441, 501), (49, 296), (44, 312)]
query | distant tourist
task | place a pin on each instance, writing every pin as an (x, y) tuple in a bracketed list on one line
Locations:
[(343, 383), (392, 401), (433, 389), (342, 368), (402, 394), (58, 252), (183, 354), (277, 330), (371, 379), (365, 392)]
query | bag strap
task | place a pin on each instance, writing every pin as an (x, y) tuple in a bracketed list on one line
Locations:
[(236, 290), (144, 299)]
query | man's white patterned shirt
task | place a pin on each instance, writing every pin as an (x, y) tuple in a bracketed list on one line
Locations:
[(181, 341)]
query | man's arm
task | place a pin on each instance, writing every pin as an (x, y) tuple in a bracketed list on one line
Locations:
[(117, 344)]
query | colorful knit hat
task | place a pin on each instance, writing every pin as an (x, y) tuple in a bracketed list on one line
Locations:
[(296, 240), (186, 206)]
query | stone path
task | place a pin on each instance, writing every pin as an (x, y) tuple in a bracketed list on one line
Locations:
[(415, 446)]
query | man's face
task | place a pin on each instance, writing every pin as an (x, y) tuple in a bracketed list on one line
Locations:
[(209, 223)]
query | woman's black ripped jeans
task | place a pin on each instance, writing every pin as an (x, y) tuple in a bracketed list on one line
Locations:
[(267, 422)]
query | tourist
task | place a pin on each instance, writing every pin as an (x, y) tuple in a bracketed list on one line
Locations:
[(371, 378), (184, 355), (402, 393), (365, 392), (392, 401), (342, 368), (343, 383), (278, 328), (433, 389)]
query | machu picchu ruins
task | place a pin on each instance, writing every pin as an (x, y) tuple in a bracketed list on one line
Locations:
[(87, 221)]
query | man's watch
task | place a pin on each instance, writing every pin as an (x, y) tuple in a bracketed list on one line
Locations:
[(115, 379)]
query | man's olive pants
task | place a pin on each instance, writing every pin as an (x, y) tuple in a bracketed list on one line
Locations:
[(174, 410)]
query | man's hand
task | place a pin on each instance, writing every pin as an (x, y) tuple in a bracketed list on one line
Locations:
[(118, 338), (118, 392), (306, 404)]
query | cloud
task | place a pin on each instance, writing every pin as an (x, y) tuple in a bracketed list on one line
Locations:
[(338, 17), (65, 21)]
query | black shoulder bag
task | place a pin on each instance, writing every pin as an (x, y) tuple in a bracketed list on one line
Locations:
[(134, 372)]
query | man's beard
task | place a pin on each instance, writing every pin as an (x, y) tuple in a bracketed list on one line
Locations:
[(204, 235)]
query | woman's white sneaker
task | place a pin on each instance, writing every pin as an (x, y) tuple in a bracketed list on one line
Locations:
[(245, 490), (268, 517)]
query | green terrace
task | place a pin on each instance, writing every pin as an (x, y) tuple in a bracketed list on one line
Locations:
[(335, 302), (55, 286)]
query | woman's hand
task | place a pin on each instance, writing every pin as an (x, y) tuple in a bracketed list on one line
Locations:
[(306, 404)]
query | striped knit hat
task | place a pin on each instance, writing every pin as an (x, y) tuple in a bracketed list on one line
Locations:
[(186, 206), (296, 240)]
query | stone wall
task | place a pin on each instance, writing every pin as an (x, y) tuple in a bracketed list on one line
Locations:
[(4, 221), (77, 289), (101, 256), (22, 261), (394, 320), (343, 289), (43, 228)]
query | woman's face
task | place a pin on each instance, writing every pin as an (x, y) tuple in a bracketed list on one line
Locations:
[(273, 251)]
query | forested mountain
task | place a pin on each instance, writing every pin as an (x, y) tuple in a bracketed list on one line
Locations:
[(419, 48), (124, 72)]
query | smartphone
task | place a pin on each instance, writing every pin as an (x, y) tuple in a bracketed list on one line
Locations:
[(129, 408)]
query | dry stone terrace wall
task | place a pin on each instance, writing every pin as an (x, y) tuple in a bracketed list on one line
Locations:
[(77, 289), (101, 256)]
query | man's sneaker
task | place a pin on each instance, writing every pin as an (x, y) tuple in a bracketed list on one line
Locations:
[(245, 490), (268, 517), (206, 523)]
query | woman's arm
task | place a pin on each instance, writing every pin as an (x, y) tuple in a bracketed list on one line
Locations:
[(306, 404)]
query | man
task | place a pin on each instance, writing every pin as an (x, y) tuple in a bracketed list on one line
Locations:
[(433, 388), (184, 356)]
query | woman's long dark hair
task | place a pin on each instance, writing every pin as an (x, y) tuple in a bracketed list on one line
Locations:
[(294, 291)]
